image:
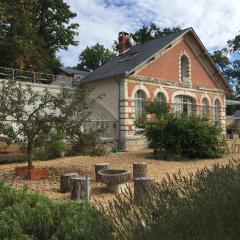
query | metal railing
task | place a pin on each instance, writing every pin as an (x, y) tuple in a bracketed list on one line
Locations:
[(36, 77), (26, 76), (107, 129)]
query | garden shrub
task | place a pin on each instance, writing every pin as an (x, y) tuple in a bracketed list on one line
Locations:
[(32, 216), (88, 143), (51, 146), (175, 136), (201, 206)]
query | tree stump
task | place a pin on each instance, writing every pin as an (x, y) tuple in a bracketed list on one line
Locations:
[(80, 188), (142, 189), (65, 184), (139, 169), (98, 167)]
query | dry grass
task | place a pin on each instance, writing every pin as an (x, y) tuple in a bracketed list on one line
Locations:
[(85, 166)]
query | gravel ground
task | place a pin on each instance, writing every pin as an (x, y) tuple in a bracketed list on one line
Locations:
[(85, 166)]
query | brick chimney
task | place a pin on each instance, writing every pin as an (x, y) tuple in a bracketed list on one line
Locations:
[(123, 40)]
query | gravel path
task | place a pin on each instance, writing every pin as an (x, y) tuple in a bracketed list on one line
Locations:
[(85, 166)]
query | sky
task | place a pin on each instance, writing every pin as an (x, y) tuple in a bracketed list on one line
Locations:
[(215, 21)]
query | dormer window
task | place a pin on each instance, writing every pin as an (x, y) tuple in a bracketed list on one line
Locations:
[(185, 73)]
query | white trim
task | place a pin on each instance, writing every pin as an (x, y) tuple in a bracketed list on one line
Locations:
[(160, 89), (205, 95), (184, 93), (140, 87), (215, 98)]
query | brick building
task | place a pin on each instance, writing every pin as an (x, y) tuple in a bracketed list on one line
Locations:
[(176, 69)]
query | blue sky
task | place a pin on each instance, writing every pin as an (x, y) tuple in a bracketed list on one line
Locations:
[(215, 21)]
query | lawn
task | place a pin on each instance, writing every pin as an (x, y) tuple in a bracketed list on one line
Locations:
[(84, 165)]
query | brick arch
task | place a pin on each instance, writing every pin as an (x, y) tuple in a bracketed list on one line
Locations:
[(140, 87), (205, 95), (217, 98), (161, 90), (184, 93), (184, 53)]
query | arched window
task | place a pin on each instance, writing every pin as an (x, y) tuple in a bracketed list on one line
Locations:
[(161, 97), (205, 107), (184, 104), (184, 69), (140, 99), (217, 110)]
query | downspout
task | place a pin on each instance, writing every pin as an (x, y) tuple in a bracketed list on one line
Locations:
[(119, 135)]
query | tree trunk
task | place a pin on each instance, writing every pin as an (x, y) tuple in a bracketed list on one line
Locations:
[(139, 169), (99, 167), (80, 188), (142, 190), (65, 183), (29, 156)]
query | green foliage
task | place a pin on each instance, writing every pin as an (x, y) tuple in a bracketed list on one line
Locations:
[(85, 143), (33, 31), (99, 150), (175, 136), (230, 69), (51, 146), (93, 57), (201, 206), (31, 216)]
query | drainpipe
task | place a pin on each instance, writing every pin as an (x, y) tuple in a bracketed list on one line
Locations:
[(119, 133)]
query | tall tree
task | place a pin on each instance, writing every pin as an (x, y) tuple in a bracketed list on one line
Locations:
[(152, 31), (229, 68), (33, 31), (93, 57)]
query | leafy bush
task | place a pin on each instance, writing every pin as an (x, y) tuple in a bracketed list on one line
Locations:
[(51, 146), (204, 206), (175, 136), (99, 150), (31, 216), (88, 143)]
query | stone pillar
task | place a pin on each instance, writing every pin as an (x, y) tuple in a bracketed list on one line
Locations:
[(127, 114)]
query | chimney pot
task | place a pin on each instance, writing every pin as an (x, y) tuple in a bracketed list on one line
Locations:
[(123, 40)]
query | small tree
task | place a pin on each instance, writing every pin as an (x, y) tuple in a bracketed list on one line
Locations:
[(28, 115)]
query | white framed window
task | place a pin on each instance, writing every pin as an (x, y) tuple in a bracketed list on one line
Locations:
[(140, 101), (205, 107), (161, 97), (217, 110), (184, 104), (184, 69)]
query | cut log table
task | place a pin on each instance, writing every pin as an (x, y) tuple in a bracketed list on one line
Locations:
[(80, 188), (98, 167), (142, 189), (65, 184), (139, 169)]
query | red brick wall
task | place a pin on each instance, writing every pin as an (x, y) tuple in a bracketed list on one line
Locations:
[(166, 67)]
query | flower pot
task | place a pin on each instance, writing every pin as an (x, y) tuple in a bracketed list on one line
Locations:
[(37, 173), (22, 171)]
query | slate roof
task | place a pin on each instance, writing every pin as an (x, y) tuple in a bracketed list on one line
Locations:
[(125, 64)]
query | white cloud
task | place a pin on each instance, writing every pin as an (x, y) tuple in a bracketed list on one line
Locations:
[(100, 20)]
